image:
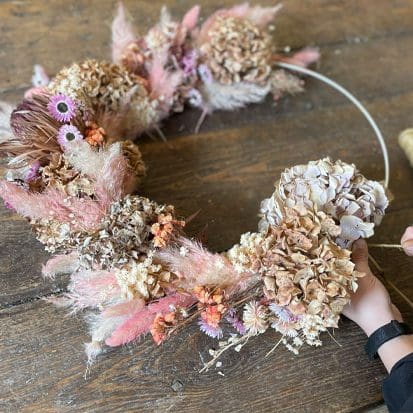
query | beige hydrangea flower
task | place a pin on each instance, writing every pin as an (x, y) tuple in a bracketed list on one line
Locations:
[(336, 188), (236, 50)]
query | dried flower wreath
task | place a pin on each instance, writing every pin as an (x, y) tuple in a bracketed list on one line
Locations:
[(73, 169)]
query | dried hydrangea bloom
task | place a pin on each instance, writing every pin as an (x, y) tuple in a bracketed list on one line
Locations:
[(108, 88), (236, 50), (306, 277), (304, 270), (336, 188), (124, 233), (131, 151)]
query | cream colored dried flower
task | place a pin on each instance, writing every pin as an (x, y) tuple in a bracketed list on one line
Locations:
[(336, 188), (254, 318), (236, 50), (142, 279)]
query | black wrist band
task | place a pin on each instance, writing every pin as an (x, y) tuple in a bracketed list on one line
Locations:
[(383, 334)]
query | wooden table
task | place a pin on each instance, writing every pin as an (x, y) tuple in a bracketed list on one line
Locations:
[(225, 171)]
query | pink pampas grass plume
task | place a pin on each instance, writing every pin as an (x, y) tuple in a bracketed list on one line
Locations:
[(60, 264), (163, 83), (124, 309), (198, 267), (82, 214), (304, 57), (190, 20), (122, 34), (260, 16), (115, 179), (141, 322), (90, 289)]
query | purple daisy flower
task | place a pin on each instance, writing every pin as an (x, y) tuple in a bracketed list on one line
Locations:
[(68, 134), (62, 108), (214, 332)]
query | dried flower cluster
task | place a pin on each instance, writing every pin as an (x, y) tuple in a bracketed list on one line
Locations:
[(98, 84), (303, 273), (336, 188), (237, 51)]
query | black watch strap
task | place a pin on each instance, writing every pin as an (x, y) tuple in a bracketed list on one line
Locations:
[(383, 334)]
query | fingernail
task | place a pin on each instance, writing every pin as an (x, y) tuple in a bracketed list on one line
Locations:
[(408, 247)]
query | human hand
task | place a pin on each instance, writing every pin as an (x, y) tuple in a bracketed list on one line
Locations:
[(370, 305), (407, 241)]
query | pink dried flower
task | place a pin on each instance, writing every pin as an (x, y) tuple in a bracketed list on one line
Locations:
[(68, 134), (234, 320), (189, 63), (211, 331), (32, 173), (62, 108)]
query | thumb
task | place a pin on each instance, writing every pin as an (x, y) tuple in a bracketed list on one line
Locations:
[(407, 241), (360, 256)]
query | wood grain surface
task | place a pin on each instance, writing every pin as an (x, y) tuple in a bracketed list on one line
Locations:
[(224, 172)]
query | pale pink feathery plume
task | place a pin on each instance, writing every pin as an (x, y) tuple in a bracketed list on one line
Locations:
[(109, 168), (60, 264), (188, 24), (81, 214), (190, 19), (198, 267), (40, 80), (260, 16), (123, 309), (141, 321), (163, 82), (91, 288), (115, 179), (122, 33), (304, 57)]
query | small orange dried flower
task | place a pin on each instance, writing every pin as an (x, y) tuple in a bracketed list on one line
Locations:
[(160, 326), (163, 229), (94, 134)]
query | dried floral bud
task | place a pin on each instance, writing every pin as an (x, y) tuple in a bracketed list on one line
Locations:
[(59, 174), (94, 135), (142, 278), (163, 229), (255, 318)]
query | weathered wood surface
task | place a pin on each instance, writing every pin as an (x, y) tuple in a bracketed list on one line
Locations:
[(224, 171)]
